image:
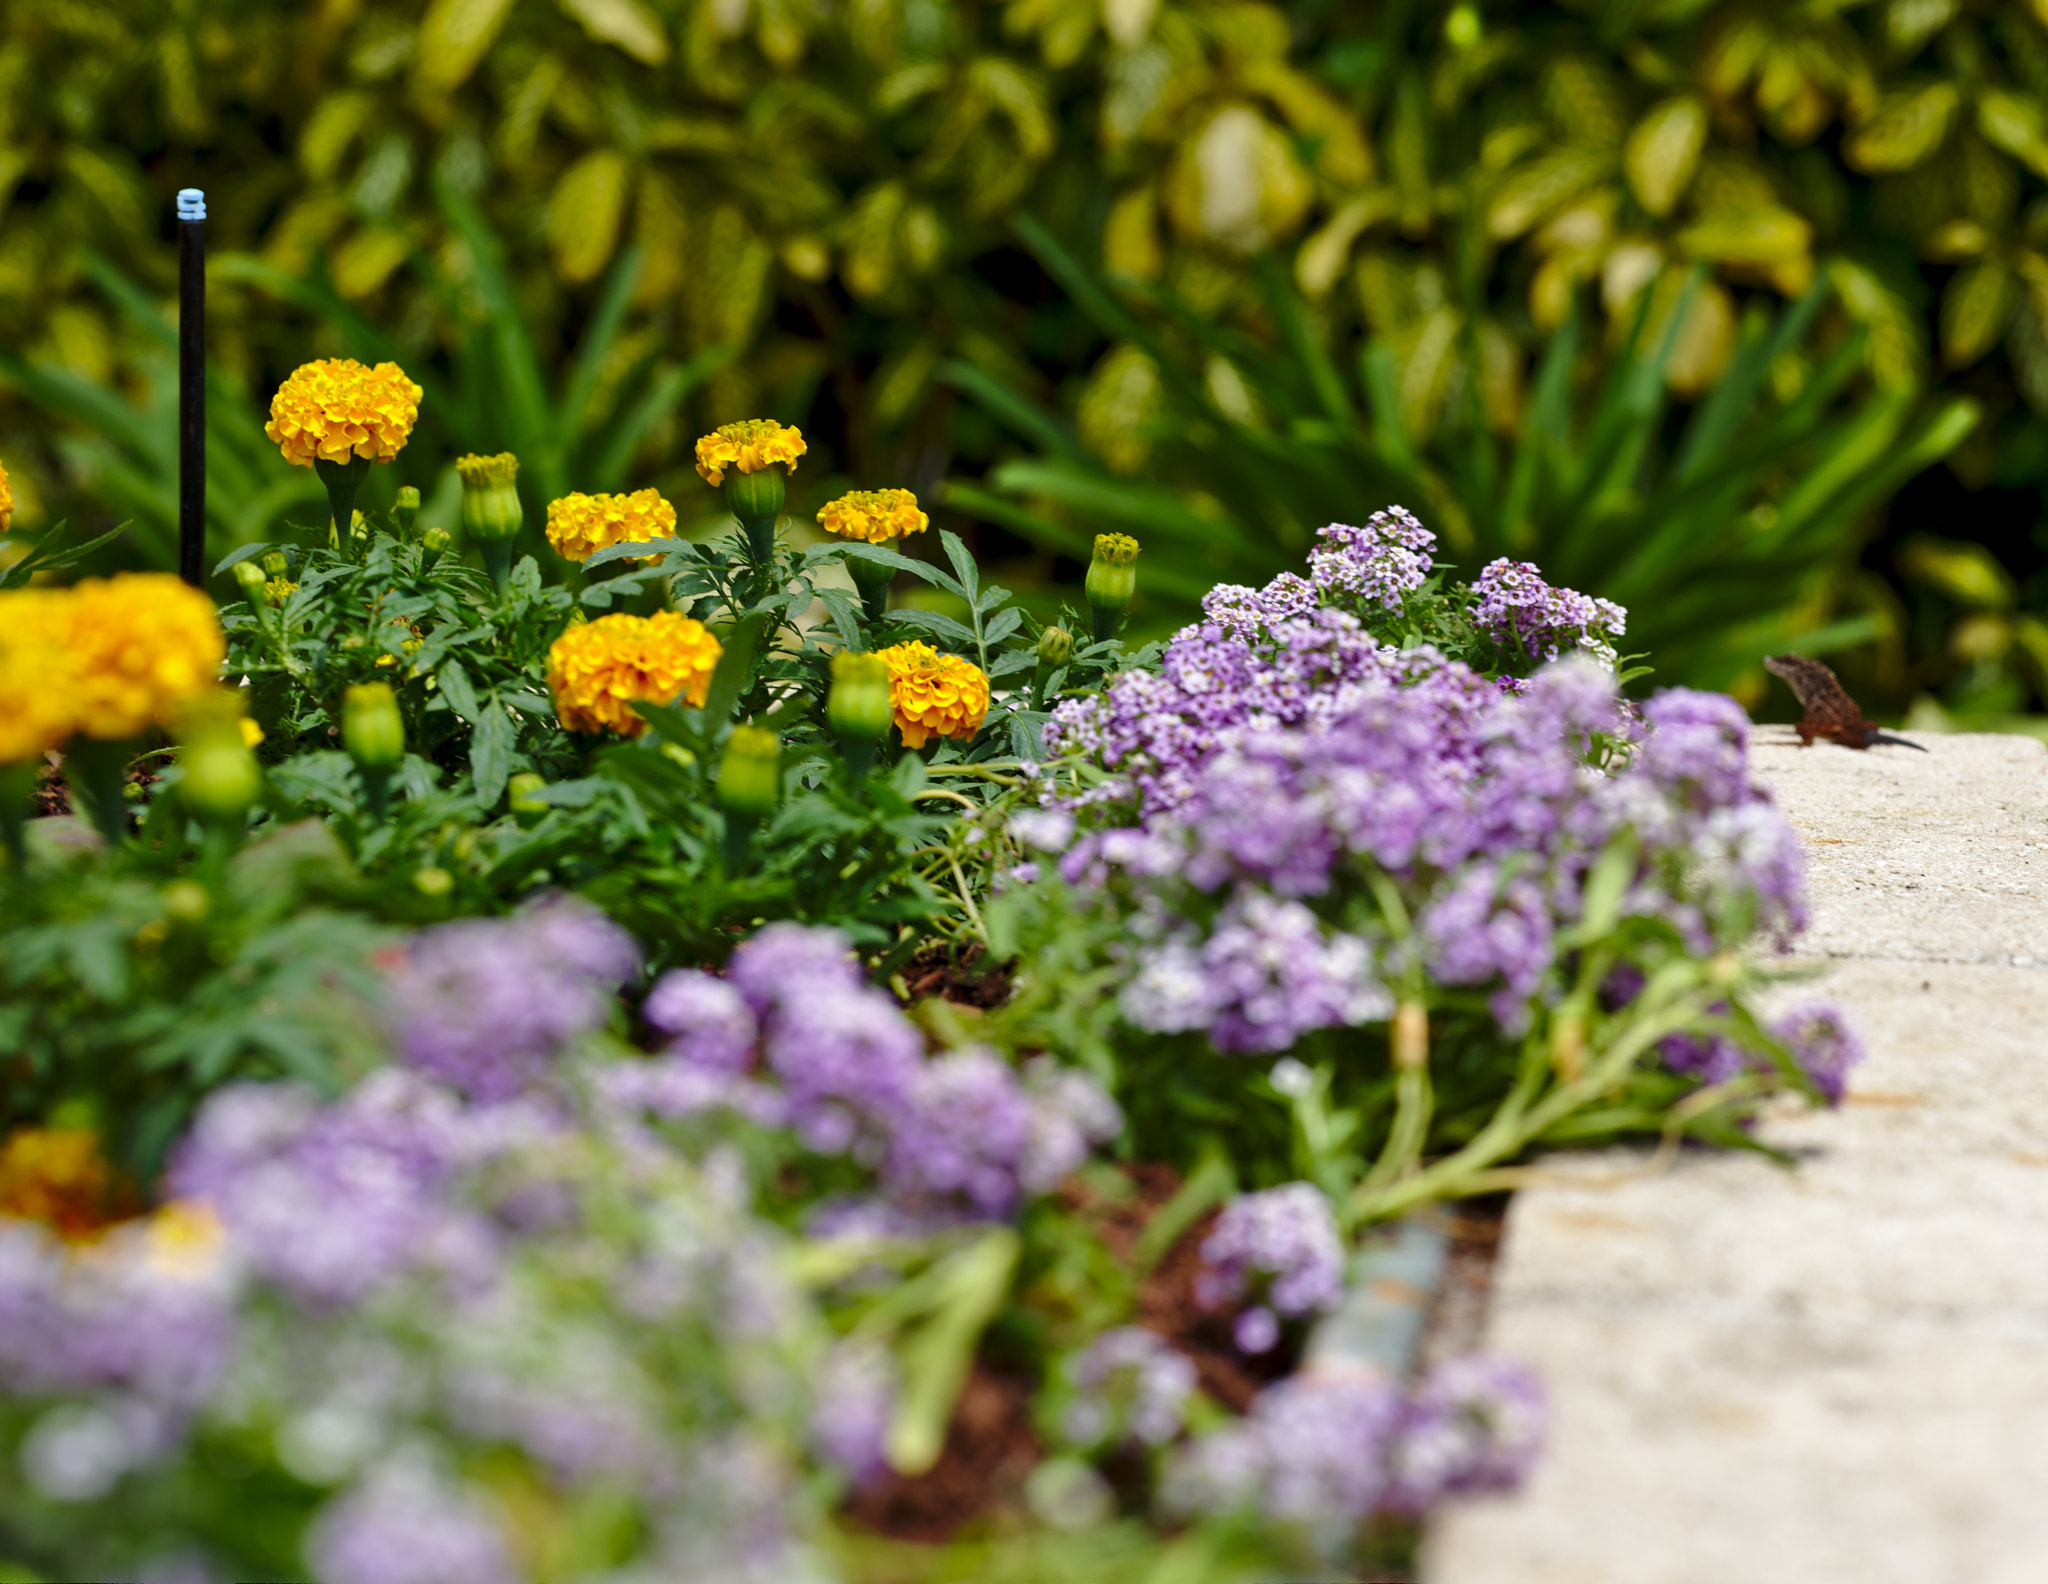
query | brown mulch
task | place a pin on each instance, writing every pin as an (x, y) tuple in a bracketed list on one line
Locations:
[(1457, 1320), (965, 977), (52, 795), (990, 1449)]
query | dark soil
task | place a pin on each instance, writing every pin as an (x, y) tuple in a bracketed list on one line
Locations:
[(52, 796), (965, 977), (990, 1449)]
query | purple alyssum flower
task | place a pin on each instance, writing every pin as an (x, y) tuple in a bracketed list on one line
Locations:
[(1128, 1384), (487, 1005), (1279, 1247), (1474, 1424)]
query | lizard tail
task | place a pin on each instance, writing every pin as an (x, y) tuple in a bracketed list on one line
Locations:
[(1877, 737)]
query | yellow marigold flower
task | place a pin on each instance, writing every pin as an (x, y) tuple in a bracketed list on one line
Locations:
[(139, 645), (35, 697), (597, 670), (58, 1177), (933, 694), (6, 502), (876, 516), (581, 525), (336, 409), (749, 446), (252, 734)]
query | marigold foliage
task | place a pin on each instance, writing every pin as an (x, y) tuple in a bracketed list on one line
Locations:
[(749, 446), (598, 670), (336, 409), (933, 694), (876, 516), (581, 525)]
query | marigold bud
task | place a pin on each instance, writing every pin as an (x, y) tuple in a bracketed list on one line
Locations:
[(526, 808), (750, 774), (276, 563), (1055, 647), (371, 729), (434, 544), (222, 779), (858, 707), (406, 507), (754, 497), (491, 512), (250, 576), (1112, 573)]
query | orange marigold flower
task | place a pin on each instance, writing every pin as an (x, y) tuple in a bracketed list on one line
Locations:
[(336, 409), (57, 1176), (933, 694), (6, 502), (598, 670), (136, 647), (34, 673), (876, 516), (749, 446), (581, 525)]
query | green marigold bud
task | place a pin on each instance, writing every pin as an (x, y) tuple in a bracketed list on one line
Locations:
[(1112, 580), (250, 576), (433, 881), (755, 497), (858, 707), (750, 774), (406, 508), (1112, 574), (434, 544), (1055, 648), (222, 779), (371, 729), (277, 564), (491, 512), (526, 808)]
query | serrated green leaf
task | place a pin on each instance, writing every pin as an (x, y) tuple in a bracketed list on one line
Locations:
[(490, 754), (456, 689)]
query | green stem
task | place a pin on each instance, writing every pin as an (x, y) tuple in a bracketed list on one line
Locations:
[(497, 554), (343, 479), (17, 785), (739, 835), (95, 771), (1104, 623)]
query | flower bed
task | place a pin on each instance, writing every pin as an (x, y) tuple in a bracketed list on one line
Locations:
[(664, 1064)]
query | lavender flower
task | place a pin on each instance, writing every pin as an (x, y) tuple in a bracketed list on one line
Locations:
[(1475, 1424), (1823, 1044), (1280, 1247), (405, 1524), (965, 1134), (708, 1021), (1070, 1113), (488, 1004), (1128, 1384), (1311, 1455), (790, 961), (1523, 612), (856, 1398), (1379, 564)]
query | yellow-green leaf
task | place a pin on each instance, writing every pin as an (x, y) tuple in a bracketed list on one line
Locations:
[(334, 122), (1426, 360), (1130, 237), (1705, 340), (1531, 193), (453, 37), (1965, 572), (584, 213), (1765, 236), (2016, 125), (1974, 310), (1909, 125), (626, 23), (365, 261), (870, 254), (1663, 152), (1323, 256), (1118, 408)]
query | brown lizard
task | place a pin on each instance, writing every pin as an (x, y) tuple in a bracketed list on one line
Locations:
[(1830, 712)]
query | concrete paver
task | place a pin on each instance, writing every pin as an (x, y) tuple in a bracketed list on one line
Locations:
[(1834, 1374)]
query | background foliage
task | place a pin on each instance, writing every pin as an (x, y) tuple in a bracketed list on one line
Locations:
[(764, 206)]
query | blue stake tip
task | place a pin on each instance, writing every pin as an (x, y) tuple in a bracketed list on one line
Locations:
[(191, 204)]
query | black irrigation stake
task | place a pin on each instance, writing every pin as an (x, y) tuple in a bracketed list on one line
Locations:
[(192, 385)]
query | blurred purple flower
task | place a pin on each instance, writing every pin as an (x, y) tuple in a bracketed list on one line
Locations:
[(708, 1021), (488, 1004), (856, 1399), (1474, 1424), (406, 1525), (1825, 1046), (1128, 1384), (1280, 1246)]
